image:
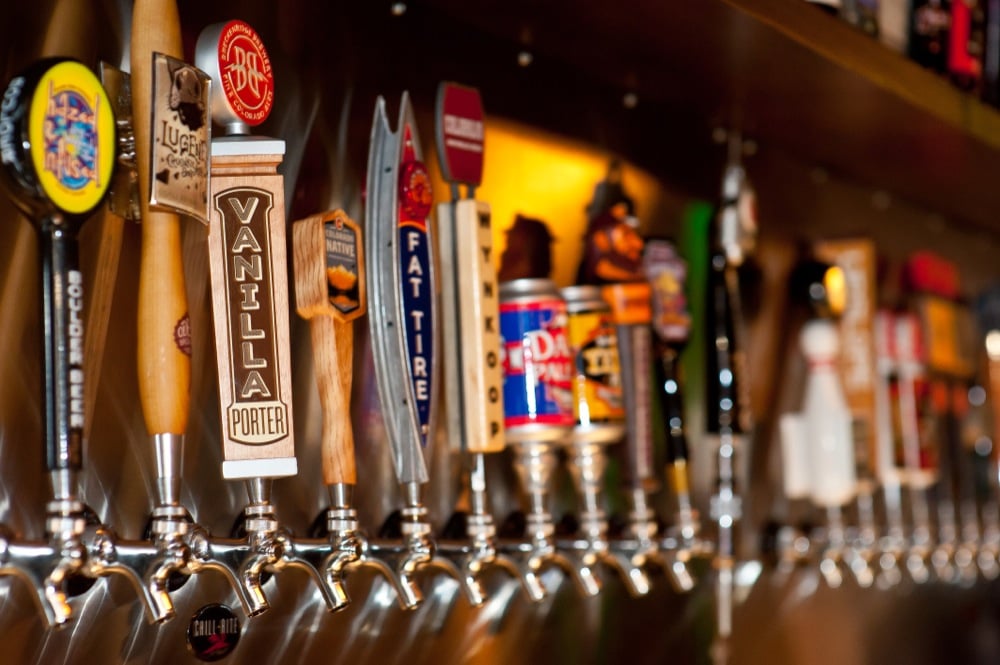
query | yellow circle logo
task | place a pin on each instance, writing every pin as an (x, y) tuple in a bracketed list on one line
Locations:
[(71, 129)]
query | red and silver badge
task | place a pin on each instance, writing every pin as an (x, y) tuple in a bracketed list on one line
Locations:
[(234, 56)]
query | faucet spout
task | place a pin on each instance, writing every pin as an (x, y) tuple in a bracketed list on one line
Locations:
[(106, 558), (70, 563), (223, 556), (30, 562), (65, 523)]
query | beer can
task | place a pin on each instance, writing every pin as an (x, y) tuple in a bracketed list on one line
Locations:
[(537, 363), (598, 406)]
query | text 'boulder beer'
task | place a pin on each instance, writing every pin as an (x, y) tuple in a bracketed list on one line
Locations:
[(536, 359)]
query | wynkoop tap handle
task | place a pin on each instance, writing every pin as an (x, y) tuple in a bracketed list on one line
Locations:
[(57, 147), (330, 292), (470, 295)]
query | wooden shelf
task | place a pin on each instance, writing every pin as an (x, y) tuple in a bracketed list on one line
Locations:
[(797, 80)]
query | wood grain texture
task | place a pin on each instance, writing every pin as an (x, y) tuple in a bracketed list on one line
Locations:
[(333, 348), (258, 171), (164, 368), (478, 312), (99, 280)]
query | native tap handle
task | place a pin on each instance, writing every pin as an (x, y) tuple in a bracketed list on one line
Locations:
[(330, 292), (163, 331)]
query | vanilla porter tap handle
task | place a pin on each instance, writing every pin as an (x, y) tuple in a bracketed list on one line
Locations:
[(247, 253), (330, 293)]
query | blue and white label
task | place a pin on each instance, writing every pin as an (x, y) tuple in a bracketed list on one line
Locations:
[(418, 317)]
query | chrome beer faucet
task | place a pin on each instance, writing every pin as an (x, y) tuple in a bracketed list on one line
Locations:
[(403, 324), (473, 373), (247, 256), (535, 462), (59, 199), (587, 464), (329, 292)]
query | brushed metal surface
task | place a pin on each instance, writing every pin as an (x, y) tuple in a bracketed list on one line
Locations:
[(323, 112)]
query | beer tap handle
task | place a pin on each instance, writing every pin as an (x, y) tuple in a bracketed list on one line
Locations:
[(328, 257), (53, 104), (671, 323), (330, 293), (403, 324), (163, 335), (630, 305)]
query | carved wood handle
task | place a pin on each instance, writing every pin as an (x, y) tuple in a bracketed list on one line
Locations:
[(332, 335), (164, 336)]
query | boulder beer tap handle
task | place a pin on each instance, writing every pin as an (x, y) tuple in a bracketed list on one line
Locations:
[(330, 293), (164, 352), (51, 112), (57, 147)]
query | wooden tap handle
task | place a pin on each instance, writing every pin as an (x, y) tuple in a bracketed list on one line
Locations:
[(164, 341), (338, 437), (329, 292)]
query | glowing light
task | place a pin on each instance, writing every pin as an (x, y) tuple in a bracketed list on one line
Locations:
[(540, 175)]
